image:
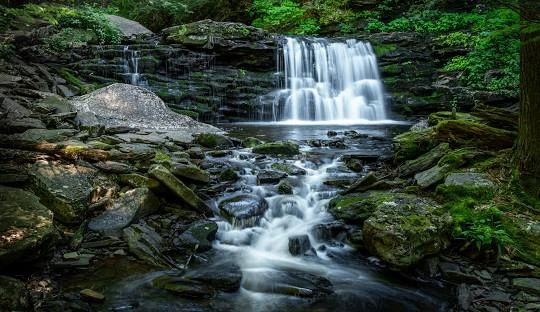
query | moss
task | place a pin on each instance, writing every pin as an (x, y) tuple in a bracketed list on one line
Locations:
[(436, 118), (414, 223), (383, 49), (189, 113), (74, 81), (228, 175), (161, 156), (212, 140), (410, 145), (277, 148), (356, 208), (284, 187), (251, 142), (461, 133), (457, 192)]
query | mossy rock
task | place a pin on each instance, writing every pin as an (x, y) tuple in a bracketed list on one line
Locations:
[(404, 229), (191, 173), (424, 161), (526, 234), (26, 227), (212, 140), (251, 142), (284, 187), (228, 175), (435, 118), (288, 169), (457, 133), (356, 208), (284, 148), (467, 184), (463, 156)]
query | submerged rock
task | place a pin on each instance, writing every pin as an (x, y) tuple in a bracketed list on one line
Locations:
[(243, 210), (145, 244), (184, 287), (403, 229), (127, 105), (26, 227), (133, 205), (298, 284)]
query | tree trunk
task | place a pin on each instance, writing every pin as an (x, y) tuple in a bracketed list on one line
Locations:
[(528, 143)]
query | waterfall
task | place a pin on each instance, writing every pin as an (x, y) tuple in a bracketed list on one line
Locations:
[(131, 67), (328, 81)]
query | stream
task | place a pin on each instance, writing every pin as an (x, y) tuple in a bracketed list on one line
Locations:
[(329, 275)]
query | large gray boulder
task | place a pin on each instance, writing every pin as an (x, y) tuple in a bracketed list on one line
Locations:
[(124, 105), (127, 27), (26, 227), (127, 209), (404, 229)]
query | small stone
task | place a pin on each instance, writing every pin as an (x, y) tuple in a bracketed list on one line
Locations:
[(527, 284), (91, 295), (71, 256), (119, 252)]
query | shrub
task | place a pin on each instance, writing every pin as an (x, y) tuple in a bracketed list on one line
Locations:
[(68, 38)]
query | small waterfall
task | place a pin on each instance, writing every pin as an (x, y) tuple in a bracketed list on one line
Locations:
[(328, 81), (131, 67)]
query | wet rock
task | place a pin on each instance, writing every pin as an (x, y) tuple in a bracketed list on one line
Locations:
[(184, 287), (198, 237), (190, 173), (331, 133), (299, 284), (362, 184), (527, 284), (131, 106), (476, 185), (67, 189), (222, 276), (243, 210), (270, 177), (213, 140), (127, 209), (284, 187), (14, 295), (115, 167), (403, 229), (251, 142), (91, 295), (284, 148), (289, 169), (228, 175), (299, 245), (336, 230), (145, 244), (179, 189), (425, 161), (26, 227)]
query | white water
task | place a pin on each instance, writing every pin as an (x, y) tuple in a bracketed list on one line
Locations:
[(329, 81), (131, 67)]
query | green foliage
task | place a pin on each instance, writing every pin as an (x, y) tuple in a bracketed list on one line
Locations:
[(69, 38), (92, 20), (154, 14), (6, 47), (480, 224), (282, 16)]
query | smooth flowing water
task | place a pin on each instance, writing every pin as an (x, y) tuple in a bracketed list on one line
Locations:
[(327, 80), (131, 67)]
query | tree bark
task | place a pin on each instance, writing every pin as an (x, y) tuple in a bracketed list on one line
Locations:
[(528, 143)]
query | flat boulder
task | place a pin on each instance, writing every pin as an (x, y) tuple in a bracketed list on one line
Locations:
[(404, 229), (124, 105), (463, 184), (127, 209), (26, 227), (68, 189)]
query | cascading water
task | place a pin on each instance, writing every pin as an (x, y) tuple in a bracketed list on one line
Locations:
[(329, 81), (131, 67)]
